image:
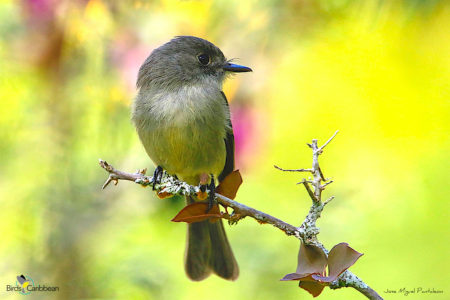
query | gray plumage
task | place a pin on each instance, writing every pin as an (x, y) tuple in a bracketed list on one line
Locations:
[(183, 120)]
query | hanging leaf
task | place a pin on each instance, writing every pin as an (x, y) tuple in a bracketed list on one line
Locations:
[(230, 185), (196, 212)]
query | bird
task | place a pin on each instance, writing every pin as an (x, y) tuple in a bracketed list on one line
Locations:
[(182, 118)]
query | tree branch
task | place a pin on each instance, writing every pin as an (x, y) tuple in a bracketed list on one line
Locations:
[(307, 232)]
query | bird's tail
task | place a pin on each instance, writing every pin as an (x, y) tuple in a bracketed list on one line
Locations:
[(208, 250)]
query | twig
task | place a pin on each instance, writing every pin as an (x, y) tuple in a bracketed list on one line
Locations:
[(308, 189), (328, 200), (116, 175), (321, 175), (292, 170), (329, 140), (307, 232), (325, 184)]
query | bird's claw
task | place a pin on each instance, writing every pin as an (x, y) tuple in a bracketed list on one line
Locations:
[(157, 176), (212, 194)]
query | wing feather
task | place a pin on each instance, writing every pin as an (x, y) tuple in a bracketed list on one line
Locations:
[(229, 145)]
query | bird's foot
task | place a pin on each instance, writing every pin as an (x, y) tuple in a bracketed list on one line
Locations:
[(202, 195), (212, 191), (204, 178), (157, 176), (212, 194)]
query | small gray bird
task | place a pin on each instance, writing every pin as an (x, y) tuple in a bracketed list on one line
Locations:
[(183, 120)]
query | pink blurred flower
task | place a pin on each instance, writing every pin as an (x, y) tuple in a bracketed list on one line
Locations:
[(248, 125)]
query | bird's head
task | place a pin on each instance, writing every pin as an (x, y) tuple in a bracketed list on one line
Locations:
[(186, 60)]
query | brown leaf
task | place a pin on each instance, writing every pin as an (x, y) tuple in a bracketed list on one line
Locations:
[(314, 288), (230, 185), (311, 260), (340, 258), (297, 276), (196, 212)]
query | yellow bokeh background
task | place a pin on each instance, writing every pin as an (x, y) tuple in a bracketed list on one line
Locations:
[(377, 71)]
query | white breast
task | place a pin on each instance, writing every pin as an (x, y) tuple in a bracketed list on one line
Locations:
[(183, 106)]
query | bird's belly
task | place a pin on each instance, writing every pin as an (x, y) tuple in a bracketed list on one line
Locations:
[(187, 150), (183, 131)]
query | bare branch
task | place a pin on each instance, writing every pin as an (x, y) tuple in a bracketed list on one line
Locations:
[(115, 175), (292, 170), (321, 175), (348, 279), (325, 184), (329, 140), (308, 189), (308, 230), (328, 200), (240, 210), (243, 211)]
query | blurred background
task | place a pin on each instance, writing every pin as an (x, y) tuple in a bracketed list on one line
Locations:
[(378, 71)]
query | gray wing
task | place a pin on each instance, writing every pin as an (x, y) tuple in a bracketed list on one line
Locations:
[(229, 145)]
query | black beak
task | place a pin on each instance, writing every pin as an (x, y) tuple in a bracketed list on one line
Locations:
[(236, 68)]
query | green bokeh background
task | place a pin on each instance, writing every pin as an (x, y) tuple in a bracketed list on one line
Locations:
[(379, 71)]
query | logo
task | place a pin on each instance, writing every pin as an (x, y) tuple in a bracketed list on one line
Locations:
[(25, 285), (24, 282)]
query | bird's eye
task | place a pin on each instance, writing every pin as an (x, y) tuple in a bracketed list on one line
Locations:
[(203, 59)]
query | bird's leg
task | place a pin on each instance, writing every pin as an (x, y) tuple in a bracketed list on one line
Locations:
[(157, 175), (207, 181), (212, 193), (204, 179)]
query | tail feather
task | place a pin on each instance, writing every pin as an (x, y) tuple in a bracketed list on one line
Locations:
[(222, 259), (198, 251), (208, 250)]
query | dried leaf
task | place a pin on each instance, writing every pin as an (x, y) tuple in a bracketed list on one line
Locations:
[(196, 212), (292, 276), (311, 260), (230, 185), (314, 288), (340, 258), (297, 276)]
